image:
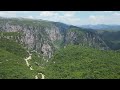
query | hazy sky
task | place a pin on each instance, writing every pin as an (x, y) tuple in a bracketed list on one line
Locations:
[(69, 17)]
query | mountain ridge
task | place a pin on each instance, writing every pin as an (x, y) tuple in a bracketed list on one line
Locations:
[(102, 27), (46, 36)]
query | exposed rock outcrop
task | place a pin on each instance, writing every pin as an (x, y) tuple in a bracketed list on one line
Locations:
[(45, 37)]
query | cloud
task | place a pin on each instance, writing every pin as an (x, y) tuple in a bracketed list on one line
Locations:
[(108, 11), (69, 14), (92, 17), (48, 13), (70, 17), (96, 19), (67, 17), (103, 19), (30, 17), (116, 14), (70, 20), (8, 13)]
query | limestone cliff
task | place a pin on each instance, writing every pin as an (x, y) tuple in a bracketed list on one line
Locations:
[(45, 37)]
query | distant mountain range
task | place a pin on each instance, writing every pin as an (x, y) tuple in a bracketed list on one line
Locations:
[(102, 27)]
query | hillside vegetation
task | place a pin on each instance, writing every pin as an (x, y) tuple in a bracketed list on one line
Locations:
[(78, 62), (12, 63), (38, 49), (111, 38)]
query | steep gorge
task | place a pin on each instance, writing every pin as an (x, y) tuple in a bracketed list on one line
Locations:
[(46, 37)]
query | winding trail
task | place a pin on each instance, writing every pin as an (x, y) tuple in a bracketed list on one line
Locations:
[(36, 77), (27, 60), (43, 76), (31, 68)]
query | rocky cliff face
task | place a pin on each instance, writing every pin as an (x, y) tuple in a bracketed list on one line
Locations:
[(36, 35), (79, 36), (45, 37)]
